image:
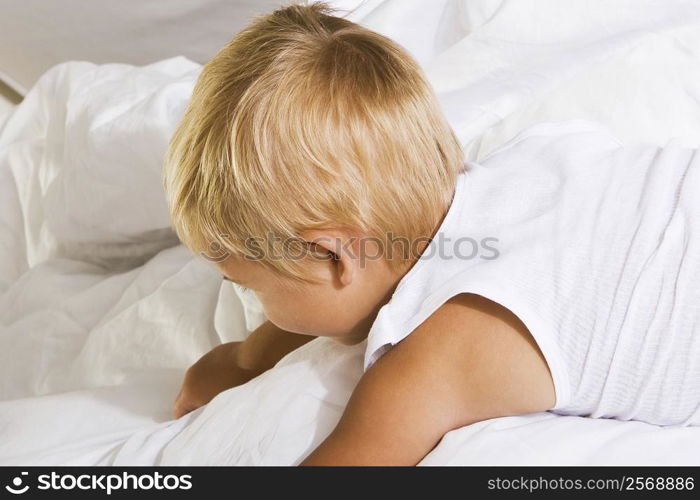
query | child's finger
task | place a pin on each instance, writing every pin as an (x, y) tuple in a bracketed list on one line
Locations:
[(181, 406), (181, 410)]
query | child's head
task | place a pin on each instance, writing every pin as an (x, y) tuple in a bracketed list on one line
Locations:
[(305, 131)]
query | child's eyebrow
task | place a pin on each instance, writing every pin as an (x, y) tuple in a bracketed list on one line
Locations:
[(226, 278)]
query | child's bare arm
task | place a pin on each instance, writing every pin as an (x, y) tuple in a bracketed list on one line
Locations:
[(234, 363), (267, 345), (472, 360)]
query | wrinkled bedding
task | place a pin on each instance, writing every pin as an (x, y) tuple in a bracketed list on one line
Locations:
[(101, 309)]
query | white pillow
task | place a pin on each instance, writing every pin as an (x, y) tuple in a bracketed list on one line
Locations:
[(87, 146), (36, 34)]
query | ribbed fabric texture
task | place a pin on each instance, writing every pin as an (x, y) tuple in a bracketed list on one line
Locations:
[(598, 254)]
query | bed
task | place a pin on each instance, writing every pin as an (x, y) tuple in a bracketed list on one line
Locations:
[(102, 310)]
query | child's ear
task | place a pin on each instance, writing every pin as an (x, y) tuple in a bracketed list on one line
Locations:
[(341, 247)]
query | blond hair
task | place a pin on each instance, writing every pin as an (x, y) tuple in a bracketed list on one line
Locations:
[(307, 121)]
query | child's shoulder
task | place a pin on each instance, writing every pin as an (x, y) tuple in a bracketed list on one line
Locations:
[(474, 340), (467, 319)]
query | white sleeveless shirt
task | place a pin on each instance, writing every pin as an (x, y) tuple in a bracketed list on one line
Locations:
[(595, 247)]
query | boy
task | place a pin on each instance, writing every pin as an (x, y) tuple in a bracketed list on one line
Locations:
[(314, 154)]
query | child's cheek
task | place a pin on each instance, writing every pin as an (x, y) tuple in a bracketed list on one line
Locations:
[(284, 315)]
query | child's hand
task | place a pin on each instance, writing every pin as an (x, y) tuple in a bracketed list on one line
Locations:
[(232, 364), (213, 373)]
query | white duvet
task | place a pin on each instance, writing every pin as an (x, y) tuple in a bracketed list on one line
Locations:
[(101, 310)]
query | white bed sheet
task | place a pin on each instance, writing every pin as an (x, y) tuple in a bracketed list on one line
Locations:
[(101, 311), (35, 34)]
